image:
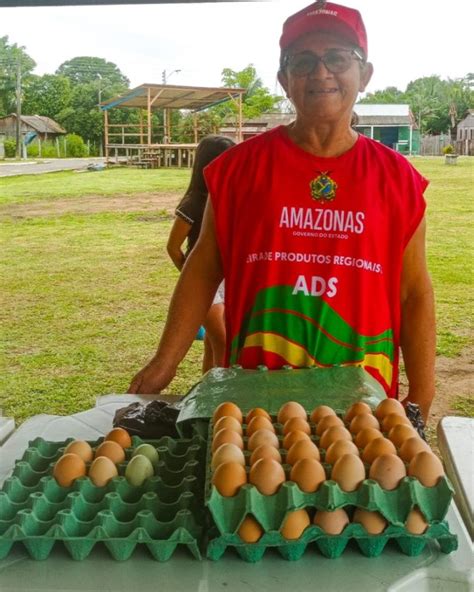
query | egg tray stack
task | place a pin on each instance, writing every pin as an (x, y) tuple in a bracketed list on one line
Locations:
[(162, 513), (271, 510)]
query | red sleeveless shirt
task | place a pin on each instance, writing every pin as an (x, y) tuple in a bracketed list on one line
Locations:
[(312, 252)]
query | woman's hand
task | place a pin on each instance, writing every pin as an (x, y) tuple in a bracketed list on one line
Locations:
[(151, 379)]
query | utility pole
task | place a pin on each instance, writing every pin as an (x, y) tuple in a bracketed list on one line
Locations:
[(99, 93), (164, 80), (18, 108)]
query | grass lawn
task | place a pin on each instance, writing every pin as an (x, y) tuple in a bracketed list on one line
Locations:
[(113, 181), (85, 295)]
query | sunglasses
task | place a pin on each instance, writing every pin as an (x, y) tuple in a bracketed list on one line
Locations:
[(335, 61)]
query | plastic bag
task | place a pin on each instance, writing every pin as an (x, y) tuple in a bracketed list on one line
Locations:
[(151, 421), (414, 415)]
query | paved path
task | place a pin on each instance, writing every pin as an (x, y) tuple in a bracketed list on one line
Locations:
[(49, 165)]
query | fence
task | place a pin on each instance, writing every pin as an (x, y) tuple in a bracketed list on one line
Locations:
[(433, 145)]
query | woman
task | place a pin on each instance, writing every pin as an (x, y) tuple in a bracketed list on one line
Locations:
[(319, 232), (186, 227)]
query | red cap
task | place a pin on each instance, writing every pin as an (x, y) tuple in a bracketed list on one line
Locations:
[(325, 16)]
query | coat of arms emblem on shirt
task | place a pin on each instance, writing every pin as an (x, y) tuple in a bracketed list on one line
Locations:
[(323, 188)]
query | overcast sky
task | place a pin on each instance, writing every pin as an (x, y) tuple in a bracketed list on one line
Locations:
[(408, 39)]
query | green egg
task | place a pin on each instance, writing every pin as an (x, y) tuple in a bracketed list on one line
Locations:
[(138, 470), (149, 451)]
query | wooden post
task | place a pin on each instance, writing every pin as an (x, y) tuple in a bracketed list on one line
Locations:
[(149, 115), (168, 131), (58, 154), (195, 128), (240, 119), (39, 147), (18, 109), (106, 135), (141, 126)]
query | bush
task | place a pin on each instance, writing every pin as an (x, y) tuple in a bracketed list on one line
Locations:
[(48, 149), (448, 149), (75, 146), (10, 147)]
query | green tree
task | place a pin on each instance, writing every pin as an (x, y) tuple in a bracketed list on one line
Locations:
[(390, 95), (207, 122), (93, 80), (48, 95), (256, 100), (10, 55), (428, 100), (85, 69), (438, 105)]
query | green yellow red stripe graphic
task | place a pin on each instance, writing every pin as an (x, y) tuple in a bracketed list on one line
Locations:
[(306, 331)]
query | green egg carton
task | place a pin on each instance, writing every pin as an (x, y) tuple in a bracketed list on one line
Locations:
[(165, 511), (270, 510), (332, 546)]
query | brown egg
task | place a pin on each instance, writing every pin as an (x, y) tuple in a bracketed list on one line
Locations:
[(401, 432), (227, 437), (376, 448), (331, 522), (257, 412), (259, 423), (320, 412), (227, 453), (393, 419), (228, 423), (302, 449), (111, 450), (265, 451), (228, 478), (388, 406), (340, 448), (416, 523), (349, 472), (358, 408), (427, 468), (68, 468), (289, 410), (120, 436), (332, 435), (102, 470), (308, 474), (363, 421), (81, 448), (411, 447), (227, 409), (293, 437), (250, 530), (267, 475), (388, 470), (373, 522), (327, 422), (262, 437), (362, 438), (295, 524), (296, 423)]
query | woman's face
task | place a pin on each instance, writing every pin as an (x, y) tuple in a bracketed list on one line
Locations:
[(322, 95)]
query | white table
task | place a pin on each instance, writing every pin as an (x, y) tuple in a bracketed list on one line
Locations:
[(392, 571)]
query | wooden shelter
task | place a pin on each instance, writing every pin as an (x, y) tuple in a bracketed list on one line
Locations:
[(143, 145), (465, 135), (32, 126)]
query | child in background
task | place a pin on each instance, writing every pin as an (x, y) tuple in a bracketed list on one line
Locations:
[(186, 227)]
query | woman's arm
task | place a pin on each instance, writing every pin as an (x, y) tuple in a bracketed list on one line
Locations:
[(178, 234), (418, 326)]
